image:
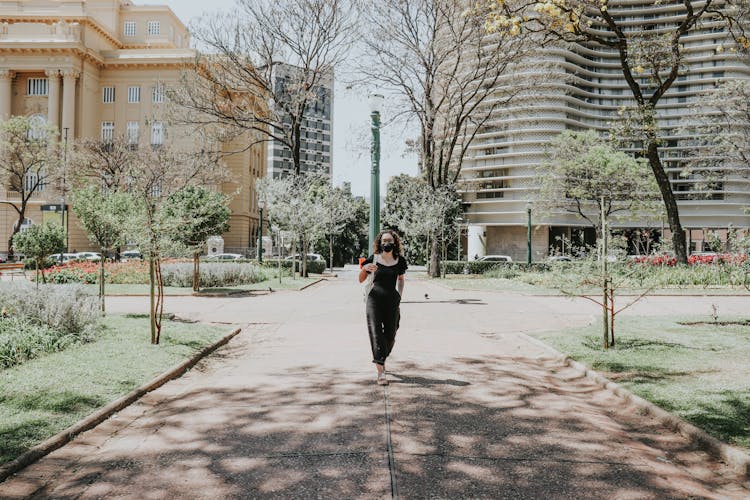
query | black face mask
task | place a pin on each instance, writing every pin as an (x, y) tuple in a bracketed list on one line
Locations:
[(388, 247)]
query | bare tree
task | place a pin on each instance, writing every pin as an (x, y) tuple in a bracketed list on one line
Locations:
[(105, 163), (650, 61), (29, 162), (265, 68), (445, 72)]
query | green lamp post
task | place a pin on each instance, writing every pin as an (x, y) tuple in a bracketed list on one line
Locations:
[(376, 101)]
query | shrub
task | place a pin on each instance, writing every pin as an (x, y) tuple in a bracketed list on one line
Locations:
[(491, 269), (68, 309), (313, 266), (21, 340), (35, 321), (215, 274)]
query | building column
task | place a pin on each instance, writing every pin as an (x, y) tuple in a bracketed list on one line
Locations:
[(476, 241), (69, 103), (53, 101), (6, 94)]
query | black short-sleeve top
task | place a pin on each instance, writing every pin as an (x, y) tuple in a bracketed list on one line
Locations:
[(386, 276)]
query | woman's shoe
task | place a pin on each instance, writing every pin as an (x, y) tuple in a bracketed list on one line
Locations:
[(382, 380)]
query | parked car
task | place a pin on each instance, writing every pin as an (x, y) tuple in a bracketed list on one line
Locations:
[(496, 258), (3, 260), (90, 256), (560, 258), (310, 256), (224, 256), (63, 258), (129, 255)]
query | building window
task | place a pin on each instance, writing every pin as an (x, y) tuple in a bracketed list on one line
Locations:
[(131, 134), (108, 95), (30, 182), (154, 28), (108, 132), (157, 94), (129, 29), (157, 134), (134, 95), (37, 86)]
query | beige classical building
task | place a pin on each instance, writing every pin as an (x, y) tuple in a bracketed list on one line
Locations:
[(98, 68)]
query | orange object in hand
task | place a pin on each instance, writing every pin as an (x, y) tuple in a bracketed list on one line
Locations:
[(362, 261)]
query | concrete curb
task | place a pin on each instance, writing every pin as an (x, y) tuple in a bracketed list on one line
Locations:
[(62, 438), (735, 457), (311, 284)]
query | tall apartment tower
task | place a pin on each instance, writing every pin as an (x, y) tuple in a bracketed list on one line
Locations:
[(317, 131), (499, 172), (99, 69)]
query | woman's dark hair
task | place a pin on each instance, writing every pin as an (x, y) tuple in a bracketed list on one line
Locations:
[(397, 249)]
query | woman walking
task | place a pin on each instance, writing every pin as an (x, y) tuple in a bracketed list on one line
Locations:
[(383, 315)]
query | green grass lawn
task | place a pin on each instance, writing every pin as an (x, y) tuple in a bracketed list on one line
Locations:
[(462, 282), (46, 395), (700, 372), (287, 283)]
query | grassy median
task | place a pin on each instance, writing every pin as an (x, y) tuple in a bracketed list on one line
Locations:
[(46, 395), (696, 368)]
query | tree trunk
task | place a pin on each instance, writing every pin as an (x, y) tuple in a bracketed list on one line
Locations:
[(304, 256), (159, 312), (435, 258), (611, 315), (152, 298), (670, 203), (36, 272), (21, 216), (330, 253), (196, 272), (101, 283), (605, 277)]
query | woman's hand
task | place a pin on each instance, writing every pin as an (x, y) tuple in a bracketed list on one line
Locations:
[(370, 268)]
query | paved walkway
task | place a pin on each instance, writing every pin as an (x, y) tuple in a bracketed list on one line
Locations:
[(289, 409)]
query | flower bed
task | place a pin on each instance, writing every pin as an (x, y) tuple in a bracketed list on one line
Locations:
[(663, 260), (124, 273)]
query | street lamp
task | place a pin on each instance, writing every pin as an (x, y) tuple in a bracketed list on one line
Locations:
[(528, 233), (261, 206), (376, 103)]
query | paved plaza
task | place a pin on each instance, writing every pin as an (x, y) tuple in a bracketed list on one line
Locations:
[(290, 409)]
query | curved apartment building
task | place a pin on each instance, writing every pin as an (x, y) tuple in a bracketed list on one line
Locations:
[(586, 91)]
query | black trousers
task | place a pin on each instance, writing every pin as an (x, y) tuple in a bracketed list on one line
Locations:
[(383, 316)]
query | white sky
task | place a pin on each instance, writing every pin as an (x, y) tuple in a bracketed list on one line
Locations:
[(351, 121)]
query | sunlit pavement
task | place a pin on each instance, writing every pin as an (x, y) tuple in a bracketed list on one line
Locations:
[(290, 409)]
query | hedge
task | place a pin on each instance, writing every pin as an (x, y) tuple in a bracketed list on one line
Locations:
[(483, 266)]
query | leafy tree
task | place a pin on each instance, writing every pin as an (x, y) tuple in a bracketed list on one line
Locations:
[(155, 174), (104, 215), (29, 162), (40, 241), (719, 131), (421, 213), (587, 176), (294, 204), (193, 214), (650, 61)]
